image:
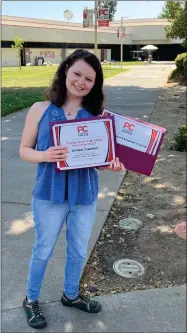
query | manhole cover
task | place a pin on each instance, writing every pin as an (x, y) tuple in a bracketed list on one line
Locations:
[(180, 230), (130, 223), (128, 268)]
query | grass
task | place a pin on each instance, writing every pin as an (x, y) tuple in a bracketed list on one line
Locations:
[(109, 72), (20, 89), (126, 63)]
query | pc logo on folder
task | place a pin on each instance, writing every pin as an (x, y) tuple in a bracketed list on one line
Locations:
[(128, 127)]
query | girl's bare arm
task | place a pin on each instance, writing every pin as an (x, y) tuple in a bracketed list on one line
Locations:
[(29, 137)]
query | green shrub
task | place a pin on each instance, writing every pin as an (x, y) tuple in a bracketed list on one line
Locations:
[(180, 72), (175, 75), (179, 142), (180, 61), (185, 67)]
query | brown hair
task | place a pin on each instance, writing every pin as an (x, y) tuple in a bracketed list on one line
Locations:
[(57, 92)]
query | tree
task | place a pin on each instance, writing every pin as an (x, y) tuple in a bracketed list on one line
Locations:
[(176, 13), (111, 4), (18, 45), (169, 10)]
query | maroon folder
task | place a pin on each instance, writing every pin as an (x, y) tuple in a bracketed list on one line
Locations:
[(133, 159)]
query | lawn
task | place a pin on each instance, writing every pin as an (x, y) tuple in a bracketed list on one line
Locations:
[(20, 89), (125, 63)]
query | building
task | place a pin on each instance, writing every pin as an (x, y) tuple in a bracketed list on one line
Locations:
[(53, 40)]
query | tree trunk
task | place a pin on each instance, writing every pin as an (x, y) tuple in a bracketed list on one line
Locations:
[(20, 60)]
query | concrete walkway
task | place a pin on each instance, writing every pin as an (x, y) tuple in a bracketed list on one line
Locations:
[(132, 93), (154, 310)]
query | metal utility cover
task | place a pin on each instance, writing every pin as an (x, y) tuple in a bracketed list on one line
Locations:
[(130, 223), (128, 268)]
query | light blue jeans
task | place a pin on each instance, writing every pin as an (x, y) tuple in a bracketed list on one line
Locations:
[(48, 221)]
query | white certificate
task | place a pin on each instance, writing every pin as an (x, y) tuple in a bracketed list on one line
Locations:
[(138, 135), (90, 142)]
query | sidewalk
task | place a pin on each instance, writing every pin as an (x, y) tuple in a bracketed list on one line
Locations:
[(153, 63), (154, 310), (132, 93)]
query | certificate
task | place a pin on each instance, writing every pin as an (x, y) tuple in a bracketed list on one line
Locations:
[(90, 142), (137, 142)]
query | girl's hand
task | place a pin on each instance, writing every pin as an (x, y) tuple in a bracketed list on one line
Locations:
[(55, 154), (116, 165)]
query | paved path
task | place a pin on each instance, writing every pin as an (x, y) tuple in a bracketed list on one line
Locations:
[(131, 93), (149, 311), (134, 93)]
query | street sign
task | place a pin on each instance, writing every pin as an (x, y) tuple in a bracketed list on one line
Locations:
[(103, 23), (121, 32), (103, 14), (87, 18), (103, 17)]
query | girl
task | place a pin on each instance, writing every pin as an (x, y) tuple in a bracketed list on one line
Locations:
[(70, 196)]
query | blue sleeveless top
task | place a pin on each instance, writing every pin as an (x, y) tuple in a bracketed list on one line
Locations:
[(81, 185)]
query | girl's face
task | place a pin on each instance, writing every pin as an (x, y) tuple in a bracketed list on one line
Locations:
[(80, 79)]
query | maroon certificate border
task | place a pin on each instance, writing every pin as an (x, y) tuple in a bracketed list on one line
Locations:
[(111, 118)]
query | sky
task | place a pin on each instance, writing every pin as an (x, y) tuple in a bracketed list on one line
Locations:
[(54, 10)]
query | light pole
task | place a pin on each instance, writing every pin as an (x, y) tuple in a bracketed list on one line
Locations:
[(121, 29), (95, 11)]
